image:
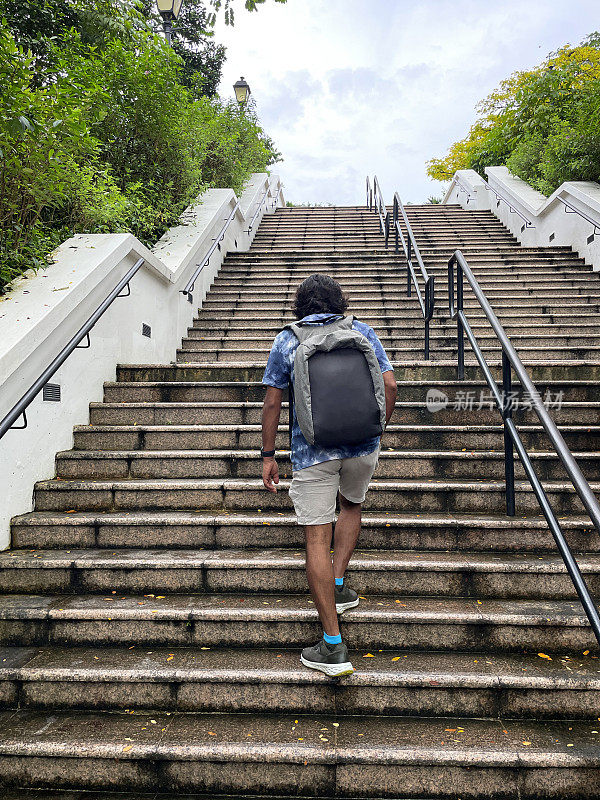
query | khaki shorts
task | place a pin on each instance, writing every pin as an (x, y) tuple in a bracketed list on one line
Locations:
[(314, 489)]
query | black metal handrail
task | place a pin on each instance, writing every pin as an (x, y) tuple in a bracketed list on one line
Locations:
[(189, 287), (20, 408), (409, 245), (512, 439)]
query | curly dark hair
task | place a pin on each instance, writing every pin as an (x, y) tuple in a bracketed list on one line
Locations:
[(319, 294)]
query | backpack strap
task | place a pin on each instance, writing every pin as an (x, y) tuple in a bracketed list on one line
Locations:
[(304, 332)]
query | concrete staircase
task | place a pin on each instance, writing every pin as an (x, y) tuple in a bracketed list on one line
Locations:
[(154, 603)]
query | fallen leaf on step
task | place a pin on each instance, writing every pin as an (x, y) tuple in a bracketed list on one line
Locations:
[(543, 655)]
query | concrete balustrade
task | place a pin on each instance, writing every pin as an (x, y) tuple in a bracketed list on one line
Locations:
[(552, 223), (43, 311)]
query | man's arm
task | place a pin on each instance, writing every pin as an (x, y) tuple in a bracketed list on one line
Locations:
[(270, 421), (391, 392)]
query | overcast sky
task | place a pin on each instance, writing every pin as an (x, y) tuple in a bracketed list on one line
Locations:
[(348, 88)]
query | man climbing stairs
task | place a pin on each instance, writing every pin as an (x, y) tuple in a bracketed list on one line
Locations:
[(154, 603)]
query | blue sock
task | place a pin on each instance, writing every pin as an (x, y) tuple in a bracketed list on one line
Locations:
[(332, 639), (339, 581)]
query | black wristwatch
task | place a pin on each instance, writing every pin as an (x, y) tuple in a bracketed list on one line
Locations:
[(267, 453)]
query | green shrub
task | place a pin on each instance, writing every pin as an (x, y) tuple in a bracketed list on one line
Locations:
[(544, 124), (110, 136)]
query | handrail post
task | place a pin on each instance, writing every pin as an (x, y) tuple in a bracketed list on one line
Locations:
[(387, 228), (396, 223), (428, 313), (459, 323), (509, 459), (408, 267)]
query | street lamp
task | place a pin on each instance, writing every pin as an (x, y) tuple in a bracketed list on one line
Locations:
[(242, 91), (169, 10)]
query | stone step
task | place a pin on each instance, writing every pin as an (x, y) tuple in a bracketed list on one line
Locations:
[(488, 246), (389, 683), (308, 755), (443, 332), (75, 464), (440, 337), (393, 269), (313, 242), (406, 412), (383, 573), (509, 300), (358, 245), (449, 531), (399, 319), (539, 371), (393, 272), (370, 227), (200, 353), (385, 285), (434, 436), (392, 266), (458, 392), (374, 314), (272, 621), (390, 287), (235, 494), (389, 331), (387, 299), (407, 317), (34, 794)]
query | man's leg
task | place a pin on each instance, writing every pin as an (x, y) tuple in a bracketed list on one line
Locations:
[(319, 571), (313, 492), (347, 529)]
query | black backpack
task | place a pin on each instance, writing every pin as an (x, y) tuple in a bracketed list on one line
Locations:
[(338, 388)]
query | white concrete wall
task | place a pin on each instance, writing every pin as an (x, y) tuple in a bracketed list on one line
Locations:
[(550, 224), (42, 312)]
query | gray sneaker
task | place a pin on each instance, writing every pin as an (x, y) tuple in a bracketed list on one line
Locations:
[(345, 598), (332, 659)]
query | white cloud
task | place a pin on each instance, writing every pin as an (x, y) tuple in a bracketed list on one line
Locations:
[(348, 88)]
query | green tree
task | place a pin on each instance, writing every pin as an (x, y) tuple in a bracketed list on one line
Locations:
[(100, 130), (542, 123)]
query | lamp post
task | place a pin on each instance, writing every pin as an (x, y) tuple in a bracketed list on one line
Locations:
[(169, 10), (242, 91)]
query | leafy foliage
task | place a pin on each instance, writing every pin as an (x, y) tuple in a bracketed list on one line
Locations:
[(104, 128), (544, 124), (227, 6)]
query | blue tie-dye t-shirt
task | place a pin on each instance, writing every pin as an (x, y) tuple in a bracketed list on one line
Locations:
[(280, 367)]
